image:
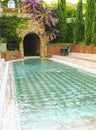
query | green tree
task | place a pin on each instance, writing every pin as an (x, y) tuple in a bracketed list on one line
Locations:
[(79, 23), (70, 10), (52, 4), (62, 25), (89, 22), (8, 29), (69, 35), (94, 38)]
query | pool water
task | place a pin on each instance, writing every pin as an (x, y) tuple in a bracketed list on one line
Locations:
[(51, 95)]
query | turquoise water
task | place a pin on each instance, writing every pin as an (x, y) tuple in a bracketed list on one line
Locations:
[(51, 95)]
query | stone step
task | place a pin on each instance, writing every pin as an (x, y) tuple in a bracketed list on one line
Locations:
[(2, 70), (3, 84), (83, 55), (77, 62), (1, 62)]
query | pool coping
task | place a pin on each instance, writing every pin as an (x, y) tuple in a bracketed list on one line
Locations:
[(2, 91), (11, 114)]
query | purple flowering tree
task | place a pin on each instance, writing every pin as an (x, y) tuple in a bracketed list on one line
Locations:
[(45, 16)]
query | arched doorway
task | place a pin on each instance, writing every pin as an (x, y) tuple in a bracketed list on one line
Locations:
[(31, 45)]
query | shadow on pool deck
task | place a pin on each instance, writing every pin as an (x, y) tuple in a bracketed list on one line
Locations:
[(83, 61)]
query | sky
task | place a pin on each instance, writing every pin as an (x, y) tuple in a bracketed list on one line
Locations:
[(72, 1)]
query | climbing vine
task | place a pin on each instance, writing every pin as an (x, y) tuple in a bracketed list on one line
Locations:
[(44, 15)]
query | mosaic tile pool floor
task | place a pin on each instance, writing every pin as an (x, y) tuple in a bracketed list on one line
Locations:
[(50, 94)]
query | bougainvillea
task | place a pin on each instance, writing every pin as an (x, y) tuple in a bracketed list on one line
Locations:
[(44, 15)]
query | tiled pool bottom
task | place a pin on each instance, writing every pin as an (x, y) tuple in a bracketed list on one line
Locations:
[(51, 95)]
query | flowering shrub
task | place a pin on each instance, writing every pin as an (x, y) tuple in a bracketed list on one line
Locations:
[(44, 15)]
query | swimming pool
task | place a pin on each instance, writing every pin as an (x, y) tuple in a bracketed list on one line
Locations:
[(51, 95)]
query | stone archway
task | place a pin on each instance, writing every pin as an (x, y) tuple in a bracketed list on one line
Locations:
[(33, 27), (31, 45)]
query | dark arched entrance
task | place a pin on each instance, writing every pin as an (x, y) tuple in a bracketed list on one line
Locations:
[(31, 45)]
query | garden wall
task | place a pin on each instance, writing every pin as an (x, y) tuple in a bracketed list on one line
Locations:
[(11, 55), (55, 49), (10, 10)]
